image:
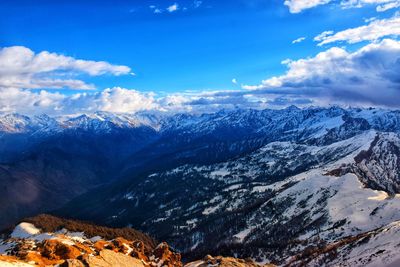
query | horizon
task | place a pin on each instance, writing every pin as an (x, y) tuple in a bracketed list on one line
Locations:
[(164, 113)]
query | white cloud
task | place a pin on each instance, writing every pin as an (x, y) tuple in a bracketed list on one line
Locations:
[(387, 6), (298, 40), (173, 8), (112, 99), (369, 75), (296, 6), (20, 67), (120, 100), (382, 5), (322, 36), (375, 30)]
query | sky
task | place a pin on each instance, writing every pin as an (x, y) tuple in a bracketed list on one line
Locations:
[(61, 57)]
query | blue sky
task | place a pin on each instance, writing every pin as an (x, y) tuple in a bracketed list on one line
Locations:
[(197, 49), (194, 46)]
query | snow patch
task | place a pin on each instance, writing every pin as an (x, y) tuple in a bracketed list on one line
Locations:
[(25, 230)]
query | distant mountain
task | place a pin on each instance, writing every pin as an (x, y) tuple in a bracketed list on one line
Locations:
[(272, 185)]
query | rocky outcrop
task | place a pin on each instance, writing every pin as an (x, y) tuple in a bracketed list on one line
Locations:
[(63, 247), (65, 250), (9, 261), (28, 245), (377, 167), (108, 258), (225, 262)]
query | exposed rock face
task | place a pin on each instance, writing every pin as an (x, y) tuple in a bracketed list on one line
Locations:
[(377, 167), (56, 250), (108, 258), (225, 262), (165, 257), (7, 261), (72, 263)]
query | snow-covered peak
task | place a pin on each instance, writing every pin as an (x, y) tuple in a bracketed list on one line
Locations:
[(318, 120)]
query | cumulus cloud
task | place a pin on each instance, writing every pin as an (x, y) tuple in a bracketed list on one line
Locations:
[(369, 75), (20, 67), (375, 30), (113, 100)]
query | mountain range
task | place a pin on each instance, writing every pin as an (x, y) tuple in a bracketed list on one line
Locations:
[(293, 186)]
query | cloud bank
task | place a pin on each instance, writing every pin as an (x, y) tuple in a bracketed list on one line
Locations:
[(111, 99)]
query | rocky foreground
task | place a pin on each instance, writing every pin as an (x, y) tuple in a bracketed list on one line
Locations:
[(50, 241)]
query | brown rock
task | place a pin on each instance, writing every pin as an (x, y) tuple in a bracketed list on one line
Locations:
[(55, 250), (102, 244), (108, 258), (84, 248), (122, 245), (72, 263), (139, 251), (38, 259), (165, 257), (224, 262)]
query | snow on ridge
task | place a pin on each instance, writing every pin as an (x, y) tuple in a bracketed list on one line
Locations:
[(316, 120), (25, 230)]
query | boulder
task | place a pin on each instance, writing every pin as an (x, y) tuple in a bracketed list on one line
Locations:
[(56, 250)]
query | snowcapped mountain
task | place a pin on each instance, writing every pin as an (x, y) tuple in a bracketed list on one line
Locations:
[(272, 185)]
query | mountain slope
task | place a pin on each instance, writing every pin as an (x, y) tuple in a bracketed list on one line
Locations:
[(226, 207)]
